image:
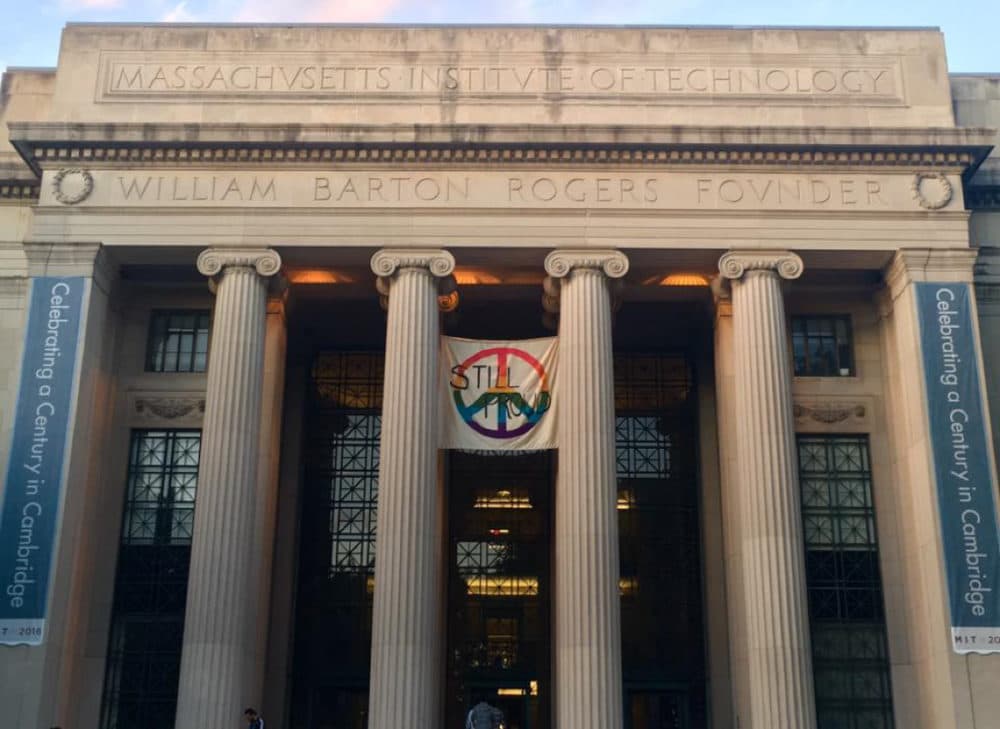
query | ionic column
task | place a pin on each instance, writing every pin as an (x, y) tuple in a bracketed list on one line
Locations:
[(407, 669), (587, 648), (218, 654), (770, 519)]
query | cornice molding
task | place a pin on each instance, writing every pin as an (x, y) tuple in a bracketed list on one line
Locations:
[(982, 197), (170, 155), (735, 264), (265, 261), (20, 190), (52, 144)]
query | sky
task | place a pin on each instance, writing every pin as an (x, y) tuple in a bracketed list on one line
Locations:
[(30, 29)]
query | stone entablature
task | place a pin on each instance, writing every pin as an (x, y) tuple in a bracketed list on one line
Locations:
[(457, 189)]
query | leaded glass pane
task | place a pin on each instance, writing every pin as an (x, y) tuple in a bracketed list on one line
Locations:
[(659, 541), (178, 341), (336, 578), (822, 346), (850, 659), (147, 623)]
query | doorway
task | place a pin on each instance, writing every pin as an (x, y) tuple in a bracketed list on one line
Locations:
[(499, 587)]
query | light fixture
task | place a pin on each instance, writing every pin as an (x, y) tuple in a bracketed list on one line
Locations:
[(678, 279), (512, 692), (475, 276), (502, 499), (490, 586), (316, 276)]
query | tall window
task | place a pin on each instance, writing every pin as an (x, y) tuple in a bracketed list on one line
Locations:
[(147, 623), (850, 657), (656, 467), (822, 346), (337, 555), (178, 341)]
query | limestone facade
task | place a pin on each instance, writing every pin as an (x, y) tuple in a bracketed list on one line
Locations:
[(471, 170)]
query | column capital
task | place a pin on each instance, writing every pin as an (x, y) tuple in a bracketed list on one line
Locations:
[(265, 261), (926, 264), (559, 263), (734, 264), (388, 261)]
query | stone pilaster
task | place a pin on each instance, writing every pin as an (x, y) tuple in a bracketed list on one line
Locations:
[(407, 670), (941, 682), (218, 657), (779, 661), (731, 484), (587, 646)]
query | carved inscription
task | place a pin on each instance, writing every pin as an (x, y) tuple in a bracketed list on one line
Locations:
[(276, 77), (414, 188)]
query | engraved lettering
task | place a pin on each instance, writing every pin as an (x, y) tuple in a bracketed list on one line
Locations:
[(133, 188), (847, 192), (265, 192), (321, 189), (602, 79), (873, 188), (730, 191), (427, 189)]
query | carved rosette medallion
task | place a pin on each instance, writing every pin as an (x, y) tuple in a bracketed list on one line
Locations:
[(931, 190), (72, 185), (264, 260), (735, 264)]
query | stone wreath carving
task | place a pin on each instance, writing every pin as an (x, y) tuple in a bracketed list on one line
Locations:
[(735, 264), (829, 413), (931, 190), (559, 263), (168, 407), (264, 260), (72, 185)]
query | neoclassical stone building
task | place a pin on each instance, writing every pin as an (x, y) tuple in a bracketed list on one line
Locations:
[(229, 254)]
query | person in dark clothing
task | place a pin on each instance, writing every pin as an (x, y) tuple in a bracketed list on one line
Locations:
[(253, 719), (484, 716)]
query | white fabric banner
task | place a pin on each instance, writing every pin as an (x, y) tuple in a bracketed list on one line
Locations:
[(498, 395)]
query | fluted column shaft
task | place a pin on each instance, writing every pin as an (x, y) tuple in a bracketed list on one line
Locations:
[(217, 658), (587, 648), (770, 528), (407, 628)]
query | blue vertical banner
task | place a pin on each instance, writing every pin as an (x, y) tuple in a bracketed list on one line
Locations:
[(37, 466), (966, 488)]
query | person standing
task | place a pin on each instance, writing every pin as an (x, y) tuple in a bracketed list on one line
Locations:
[(254, 721), (484, 716)]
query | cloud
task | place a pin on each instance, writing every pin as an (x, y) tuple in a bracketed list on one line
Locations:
[(316, 11), (178, 14), (92, 4)]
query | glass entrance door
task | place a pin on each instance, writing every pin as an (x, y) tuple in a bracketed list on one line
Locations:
[(499, 587)]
